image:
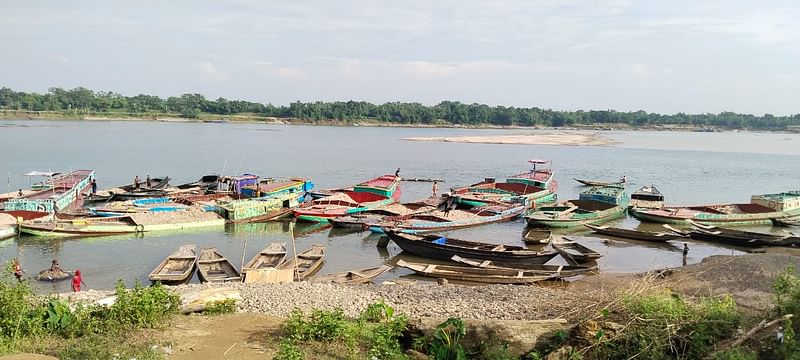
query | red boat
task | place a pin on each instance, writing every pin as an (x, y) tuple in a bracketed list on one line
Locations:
[(367, 195)]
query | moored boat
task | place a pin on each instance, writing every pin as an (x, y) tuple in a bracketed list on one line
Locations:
[(558, 271), (762, 209), (537, 236), (368, 195), (177, 268), (594, 206), (365, 219), (269, 257), (57, 193), (535, 187), (352, 277), (573, 251), (647, 197), (787, 221), (7, 231), (475, 274), (442, 248), (621, 182), (633, 234), (443, 220), (306, 263), (213, 267)]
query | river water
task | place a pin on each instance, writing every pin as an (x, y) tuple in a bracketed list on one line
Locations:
[(689, 168)]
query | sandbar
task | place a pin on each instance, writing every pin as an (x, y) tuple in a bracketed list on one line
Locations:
[(559, 138)]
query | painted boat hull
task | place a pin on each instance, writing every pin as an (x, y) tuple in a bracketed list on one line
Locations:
[(422, 227), (598, 218), (445, 252), (712, 219)]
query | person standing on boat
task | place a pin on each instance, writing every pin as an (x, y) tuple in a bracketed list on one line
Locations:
[(77, 280), (19, 193), (434, 188), (623, 179), (148, 181), (94, 187), (18, 270), (397, 172), (136, 182)]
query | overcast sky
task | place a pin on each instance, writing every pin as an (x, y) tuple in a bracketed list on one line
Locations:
[(658, 56)]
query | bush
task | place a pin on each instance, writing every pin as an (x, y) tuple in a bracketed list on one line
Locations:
[(663, 325), (227, 306), (21, 313), (142, 307), (289, 351)]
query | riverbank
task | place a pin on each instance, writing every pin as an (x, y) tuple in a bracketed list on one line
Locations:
[(259, 119)]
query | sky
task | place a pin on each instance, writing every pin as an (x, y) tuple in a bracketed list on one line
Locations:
[(657, 56)]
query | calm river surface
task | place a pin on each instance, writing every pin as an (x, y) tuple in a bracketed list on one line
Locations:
[(689, 168)]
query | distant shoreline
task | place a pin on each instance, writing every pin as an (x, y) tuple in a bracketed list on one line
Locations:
[(17, 115)]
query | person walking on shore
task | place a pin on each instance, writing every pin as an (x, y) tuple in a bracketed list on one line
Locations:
[(18, 270), (77, 280), (434, 188)]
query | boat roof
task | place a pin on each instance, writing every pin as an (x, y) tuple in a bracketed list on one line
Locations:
[(538, 161), (385, 181), (783, 196), (647, 190), (41, 173)]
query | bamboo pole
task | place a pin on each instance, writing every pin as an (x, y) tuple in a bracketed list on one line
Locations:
[(246, 236), (294, 247)]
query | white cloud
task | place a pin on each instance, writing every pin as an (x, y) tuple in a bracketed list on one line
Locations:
[(61, 59), (209, 72)]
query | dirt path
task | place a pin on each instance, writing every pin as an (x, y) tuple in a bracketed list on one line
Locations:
[(234, 336)]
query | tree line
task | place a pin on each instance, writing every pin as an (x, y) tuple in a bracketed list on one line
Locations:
[(84, 101)]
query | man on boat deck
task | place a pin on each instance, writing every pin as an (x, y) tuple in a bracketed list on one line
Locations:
[(434, 188), (623, 179), (19, 193), (397, 172), (136, 182), (94, 187), (148, 181)]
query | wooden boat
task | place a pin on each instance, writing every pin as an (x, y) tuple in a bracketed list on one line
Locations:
[(594, 206), (269, 257), (7, 231), (280, 188), (258, 209), (746, 241), (535, 187), (633, 234), (130, 192), (573, 251), (761, 210), (128, 224), (787, 221), (213, 267), (441, 248), (306, 263), (177, 268), (537, 236), (558, 271), (206, 183), (647, 197), (599, 183), (439, 220), (739, 233), (475, 274), (365, 219), (55, 194), (352, 277), (367, 195)]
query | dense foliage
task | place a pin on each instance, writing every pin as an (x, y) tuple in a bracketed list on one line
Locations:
[(84, 101)]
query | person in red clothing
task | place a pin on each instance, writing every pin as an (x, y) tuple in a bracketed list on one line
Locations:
[(77, 280)]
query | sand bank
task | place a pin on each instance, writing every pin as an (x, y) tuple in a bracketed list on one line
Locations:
[(559, 138)]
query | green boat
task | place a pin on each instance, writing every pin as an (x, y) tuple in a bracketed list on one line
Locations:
[(133, 223), (762, 209), (594, 206), (535, 187)]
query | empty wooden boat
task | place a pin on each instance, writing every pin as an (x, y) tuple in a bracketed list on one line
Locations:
[(442, 248), (305, 263), (738, 233), (573, 251), (269, 257), (213, 267), (537, 236), (633, 234), (559, 271), (788, 221), (475, 274), (352, 277), (177, 268), (599, 183)]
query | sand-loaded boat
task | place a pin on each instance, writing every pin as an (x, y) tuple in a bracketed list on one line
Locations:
[(594, 206), (368, 195), (443, 220), (267, 200), (647, 197), (177, 268), (306, 263), (762, 209), (132, 223), (535, 187), (443, 248), (365, 219), (213, 267), (352, 277)]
